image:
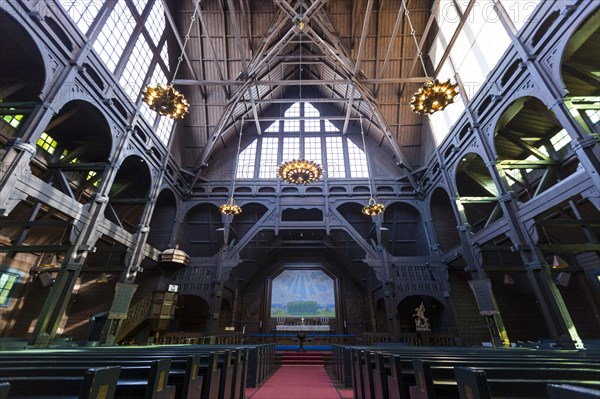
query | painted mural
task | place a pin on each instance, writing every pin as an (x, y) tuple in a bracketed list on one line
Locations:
[(302, 293)]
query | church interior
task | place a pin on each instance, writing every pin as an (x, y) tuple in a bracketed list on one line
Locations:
[(319, 174)]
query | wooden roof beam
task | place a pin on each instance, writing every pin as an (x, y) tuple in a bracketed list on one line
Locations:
[(365, 28)]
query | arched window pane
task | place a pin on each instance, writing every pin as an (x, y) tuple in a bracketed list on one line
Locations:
[(246, 162), (268, 158), (292, 125), (335, 157), (312, 149), (114, 35), (358, 161), (291, 149), (311, 125)]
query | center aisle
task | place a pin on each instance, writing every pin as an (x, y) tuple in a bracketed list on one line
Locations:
[(297, 382)]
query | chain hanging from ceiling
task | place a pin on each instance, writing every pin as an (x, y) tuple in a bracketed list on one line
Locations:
[(433, 96), (230, 207), (373, 208), (300, 171), (163, 98)]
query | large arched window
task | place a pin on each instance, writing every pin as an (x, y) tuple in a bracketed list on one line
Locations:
[(461, 45), (303, 133), (138, 24)]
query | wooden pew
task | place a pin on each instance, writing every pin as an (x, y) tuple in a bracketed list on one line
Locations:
[(154, 386), (91, 384), (134, 371), (533, 368), (209, 369)]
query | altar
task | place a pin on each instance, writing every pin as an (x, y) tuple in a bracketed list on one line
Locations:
[(302, 327)]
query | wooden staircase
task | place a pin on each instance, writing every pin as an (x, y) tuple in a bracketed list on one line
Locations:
[(157, 308)]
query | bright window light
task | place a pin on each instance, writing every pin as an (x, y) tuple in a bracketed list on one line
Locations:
[(114, 35), (140, 5), (133, 75), (292, 125), (274, 128), (246, 162), (81, 12), (560, 139), (13, 120), (312, 149), (155, 24), (164, 129), (291, 148), (268, 158), (335, 158), (311, 125), (7, 282), (357, 161), (47, 143)]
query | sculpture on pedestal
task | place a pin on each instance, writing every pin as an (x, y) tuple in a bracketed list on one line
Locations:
[(421, 322)]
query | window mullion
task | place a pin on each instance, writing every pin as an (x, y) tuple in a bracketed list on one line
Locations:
[(129, 47), (103, 15)]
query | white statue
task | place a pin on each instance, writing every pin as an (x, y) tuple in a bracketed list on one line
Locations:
[(421, 322)]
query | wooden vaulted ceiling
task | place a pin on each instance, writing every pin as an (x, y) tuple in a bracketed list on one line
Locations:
[(249, 57)]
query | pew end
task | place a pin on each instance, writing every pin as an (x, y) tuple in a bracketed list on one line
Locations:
[(424, 388), (100, 383), (4, 390), (472, 383)]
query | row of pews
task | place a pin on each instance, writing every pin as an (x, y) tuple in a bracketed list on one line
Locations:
[(395, 371), (149, 372)]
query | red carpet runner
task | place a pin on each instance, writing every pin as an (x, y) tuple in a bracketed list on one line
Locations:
[(297, 382)]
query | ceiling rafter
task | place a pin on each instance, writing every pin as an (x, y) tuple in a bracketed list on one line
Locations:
[(174, 27), (397, 24), (238, 36), (361, 44), (331, 65), (214, 51)]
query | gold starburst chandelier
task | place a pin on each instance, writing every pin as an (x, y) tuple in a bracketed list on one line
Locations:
[(300, 171), (373, 208), (164, 99), (230, 208), (433, 96)]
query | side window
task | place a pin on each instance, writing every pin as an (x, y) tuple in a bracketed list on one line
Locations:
[(7, 282)]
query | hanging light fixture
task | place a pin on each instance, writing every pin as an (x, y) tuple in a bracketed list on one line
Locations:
[(163, 98), (300, 171), (433, 96), (230, 207), (373, 208)]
